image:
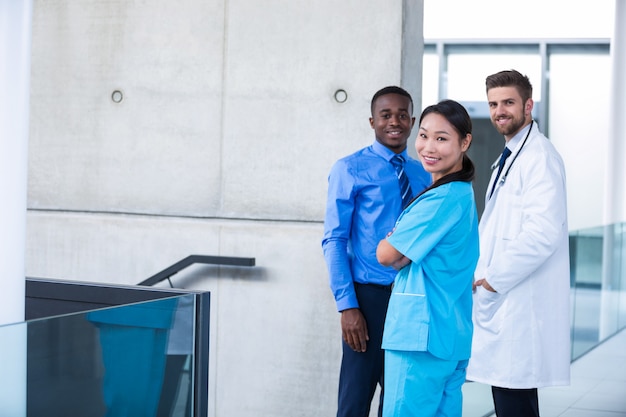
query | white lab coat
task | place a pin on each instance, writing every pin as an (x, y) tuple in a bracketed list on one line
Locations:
[(522, 332)]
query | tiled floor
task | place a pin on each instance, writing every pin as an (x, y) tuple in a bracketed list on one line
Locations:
[(597, 389), (598, 384)]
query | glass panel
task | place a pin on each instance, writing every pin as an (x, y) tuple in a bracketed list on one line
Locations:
[(581, 83), (128, 360), (598, 276), (586, 249), (611, 277), (620, 282), (430, 80), (598, 299), (537, 19), (467, 73)]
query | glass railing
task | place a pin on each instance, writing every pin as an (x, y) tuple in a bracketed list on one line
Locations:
[(136, 359), (598, 300), (146, 358), (598, 285)]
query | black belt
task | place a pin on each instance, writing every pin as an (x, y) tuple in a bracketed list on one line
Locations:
[(377, 286)]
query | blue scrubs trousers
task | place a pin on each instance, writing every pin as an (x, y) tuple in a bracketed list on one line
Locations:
[(418, 384)]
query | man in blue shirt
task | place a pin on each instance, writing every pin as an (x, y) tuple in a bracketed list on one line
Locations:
[(364, 201)]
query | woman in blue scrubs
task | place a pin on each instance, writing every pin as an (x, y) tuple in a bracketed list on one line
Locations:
[(434, 245)]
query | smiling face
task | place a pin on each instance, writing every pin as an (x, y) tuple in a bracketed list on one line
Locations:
[(439, 146), (392, 122), (509, 114)]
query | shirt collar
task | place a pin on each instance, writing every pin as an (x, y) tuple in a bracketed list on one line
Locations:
[(387, 153), (515, 140)]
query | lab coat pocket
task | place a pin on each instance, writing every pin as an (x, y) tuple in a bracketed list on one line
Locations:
[(510, 225), (487, 309), (406, 324)]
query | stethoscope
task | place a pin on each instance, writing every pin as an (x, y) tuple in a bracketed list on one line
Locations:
[(503, 177)]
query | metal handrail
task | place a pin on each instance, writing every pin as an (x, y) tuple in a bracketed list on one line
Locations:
[(196, 259)]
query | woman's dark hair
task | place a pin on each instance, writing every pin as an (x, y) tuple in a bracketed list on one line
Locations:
[(457, 116)]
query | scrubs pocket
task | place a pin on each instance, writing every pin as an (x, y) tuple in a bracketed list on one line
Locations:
[(406, 324), (487, 309)]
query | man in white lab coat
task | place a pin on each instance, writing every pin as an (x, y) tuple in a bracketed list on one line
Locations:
[(521, 302)]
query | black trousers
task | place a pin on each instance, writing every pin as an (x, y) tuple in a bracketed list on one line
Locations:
[(361, 372), (515, 402)]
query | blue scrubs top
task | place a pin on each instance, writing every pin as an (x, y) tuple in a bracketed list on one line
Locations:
[(431, 305)]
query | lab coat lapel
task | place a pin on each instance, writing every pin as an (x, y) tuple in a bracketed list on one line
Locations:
[(507, 164)]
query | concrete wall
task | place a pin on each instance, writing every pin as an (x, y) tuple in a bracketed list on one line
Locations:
[(220, 146)]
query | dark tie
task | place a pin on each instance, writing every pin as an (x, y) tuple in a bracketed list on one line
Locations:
[(505, 154), (405, 188)]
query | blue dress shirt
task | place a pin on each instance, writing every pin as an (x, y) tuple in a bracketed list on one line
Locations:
[(363, 205)]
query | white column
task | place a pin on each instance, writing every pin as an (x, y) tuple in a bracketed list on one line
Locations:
[(15, 49), (15, 42), (615, 191), (411, 69), (615, 208)]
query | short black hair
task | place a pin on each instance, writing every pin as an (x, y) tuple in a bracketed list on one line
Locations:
[(392, 89)]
